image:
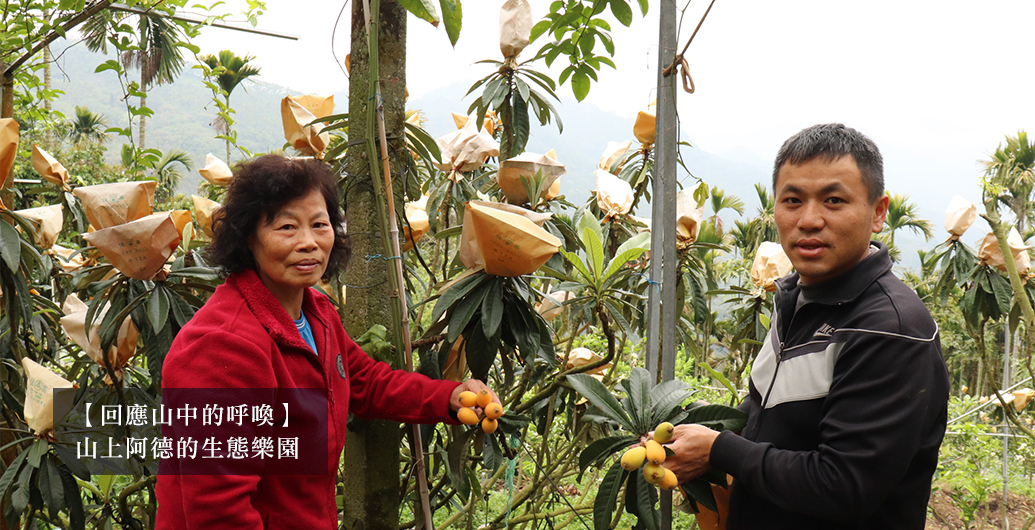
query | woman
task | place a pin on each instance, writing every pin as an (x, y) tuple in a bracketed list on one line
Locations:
[(279, 233)]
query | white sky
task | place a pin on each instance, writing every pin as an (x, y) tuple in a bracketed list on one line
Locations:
[(936, 84)]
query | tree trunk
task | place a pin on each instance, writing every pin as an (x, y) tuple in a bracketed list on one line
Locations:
[(371, 468)]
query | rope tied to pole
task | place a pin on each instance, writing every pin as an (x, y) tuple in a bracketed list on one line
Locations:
[(679, 64)]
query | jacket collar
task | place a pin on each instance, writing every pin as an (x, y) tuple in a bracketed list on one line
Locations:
[(844, 288), (269, 312)]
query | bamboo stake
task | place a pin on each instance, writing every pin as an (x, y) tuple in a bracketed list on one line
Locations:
[(398, 290)]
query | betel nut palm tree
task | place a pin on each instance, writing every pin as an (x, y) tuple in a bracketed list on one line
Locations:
[(157, 52), (229, 71)]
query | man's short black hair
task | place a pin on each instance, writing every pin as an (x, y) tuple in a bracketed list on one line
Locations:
[(833, 141), (260, 188)]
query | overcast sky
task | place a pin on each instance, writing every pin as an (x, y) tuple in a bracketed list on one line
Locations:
[(936, 84)]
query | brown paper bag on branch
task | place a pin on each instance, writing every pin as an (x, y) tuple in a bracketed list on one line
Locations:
[(960, 214), (488, 124), (74, 323), (991, 254), (770, 264), (108, 205), (417, 215), (180, 219), (216, 172), (465, 150), (47, 220), (307, 139), (138, 249), (644, 127), (39, 396), (525, 167), (614, 152), (504, 239), (205, 211), (614, 195), (49, 168), (548, 309), (688, 217), (8, 150), (65, 260), (515, 30), (582, 357), (318, 106)]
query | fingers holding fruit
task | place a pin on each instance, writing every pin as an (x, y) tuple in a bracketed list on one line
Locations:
[(478, 405), (650, 454)]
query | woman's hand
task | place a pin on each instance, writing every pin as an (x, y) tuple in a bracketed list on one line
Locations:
[(472, 385)]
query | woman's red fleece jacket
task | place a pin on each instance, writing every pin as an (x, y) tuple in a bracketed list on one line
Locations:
[(243, 338)]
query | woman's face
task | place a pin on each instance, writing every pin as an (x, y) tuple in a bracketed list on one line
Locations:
[(292, 248)]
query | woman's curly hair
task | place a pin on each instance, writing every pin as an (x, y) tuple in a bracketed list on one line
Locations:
[(260, 188)]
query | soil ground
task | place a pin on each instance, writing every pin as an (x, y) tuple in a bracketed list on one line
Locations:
[(944, 515)]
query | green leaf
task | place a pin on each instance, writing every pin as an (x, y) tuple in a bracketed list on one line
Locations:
[(601, 449), (580, 85), (36, 452), (49, 482), (12, 471), (452, 16), (597, 394), (421, 137), (492, 308), (73, 500), (464, 312), (607, 496), (10, 246), (715, 374), (621, 10), (158, 308), (422, 9), (638, 386), (630, 250), (521, 125), (718, 417), (646, 497), (456, 292), (538, 30), (700, 490), (665, 397), (20, 496)]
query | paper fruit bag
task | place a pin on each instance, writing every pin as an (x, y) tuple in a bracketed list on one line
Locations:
[(65, 260), (319, 106), (505, 240), (205, 211), (614, 152), (770, 264), (515, 29), (307, 139), (180, 219), (417, 216), (488, 124), (614, 195), (47, 220), (39, 396), (582, 357), (113, 204), (8, 150), (216, 172), (990, 253), (466, 149), (688, 217), (525, 166), (49, 168), (74, 323), (548, 309), (140, 248), (644, 127), (960, 214)]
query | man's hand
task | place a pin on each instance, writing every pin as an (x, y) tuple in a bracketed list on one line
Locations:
[(692, 445), (472, 385)]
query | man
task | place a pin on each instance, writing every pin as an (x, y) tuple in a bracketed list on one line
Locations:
[(847, 403)]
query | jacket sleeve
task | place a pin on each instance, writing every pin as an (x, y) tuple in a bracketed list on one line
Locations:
[(883, 400), (378, 391), (219, 361)]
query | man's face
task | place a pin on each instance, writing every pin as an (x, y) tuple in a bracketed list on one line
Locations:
[(824, 216)]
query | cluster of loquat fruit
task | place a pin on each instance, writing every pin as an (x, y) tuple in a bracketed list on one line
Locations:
[(652, 452), (483, 399)]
